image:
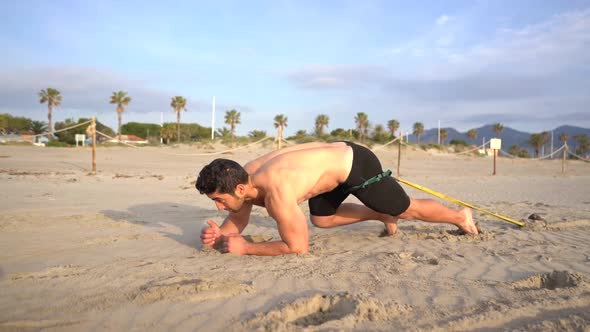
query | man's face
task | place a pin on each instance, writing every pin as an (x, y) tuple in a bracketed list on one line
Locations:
[(227, 202)]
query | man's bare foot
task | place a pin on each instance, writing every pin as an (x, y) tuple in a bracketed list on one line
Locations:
[(467, 225), (390, 223)]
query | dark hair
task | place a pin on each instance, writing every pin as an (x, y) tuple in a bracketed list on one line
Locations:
[(222, 176)]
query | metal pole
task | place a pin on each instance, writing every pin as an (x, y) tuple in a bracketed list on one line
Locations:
[(438, 132), (93, 145), (495, 153), (399, 154), (213, 119), (563, 159), (552, 144), (162, 126)]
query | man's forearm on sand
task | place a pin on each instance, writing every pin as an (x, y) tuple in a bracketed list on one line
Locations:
[(230, 227), (273, 248)]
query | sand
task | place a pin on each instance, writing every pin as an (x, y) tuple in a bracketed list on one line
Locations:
[(120, 250)]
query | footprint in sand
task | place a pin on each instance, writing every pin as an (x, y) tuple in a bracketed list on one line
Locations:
[(328, 311), (107, 240), (176, 289), (552, 281), (60, 271)]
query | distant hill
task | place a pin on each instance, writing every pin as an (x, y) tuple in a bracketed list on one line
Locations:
[(509, 136)]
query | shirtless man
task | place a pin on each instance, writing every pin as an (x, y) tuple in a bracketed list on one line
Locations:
[(324, 174)]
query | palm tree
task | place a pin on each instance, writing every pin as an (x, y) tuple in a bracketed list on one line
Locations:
[(545, 137), (418, 130), (179, 104), (223, 132), (583, 144), (472, 133), (167, 132), (536, 141), (280, 124), (443, 136), (393, 126), (498, 128), (232, 118), (321, 121), (38, 127), (121, 99), (563, 137), (380, 135), (53, 98), (362, 124)]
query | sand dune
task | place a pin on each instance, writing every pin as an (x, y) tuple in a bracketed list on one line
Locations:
[(120, 250)]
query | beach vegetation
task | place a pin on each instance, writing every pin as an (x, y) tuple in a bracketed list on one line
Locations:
[(537, 141), (14, 124), (223, 132), (280, 122), (430, 146), (498, 128), (340, 133), (69, 136), (444, 134), (257, 134), (321, 121), (362, 125), (52, 97), (582, 146), (458, 142), (121, 99), (178, 104), (418, 130), (380, 135), (189, 132), (232, 118), (393, 126), (143, 130), (57, 144)]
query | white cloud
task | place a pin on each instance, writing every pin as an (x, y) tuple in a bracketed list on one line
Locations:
[(330, 77), (539, 70), (443, 19)]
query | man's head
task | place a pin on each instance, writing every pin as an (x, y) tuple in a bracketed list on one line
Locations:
[(223, 181)]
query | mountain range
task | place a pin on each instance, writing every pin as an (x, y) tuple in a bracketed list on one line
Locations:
[(509, 136)]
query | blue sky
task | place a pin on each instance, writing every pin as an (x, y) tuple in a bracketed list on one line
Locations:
[(525, 64)]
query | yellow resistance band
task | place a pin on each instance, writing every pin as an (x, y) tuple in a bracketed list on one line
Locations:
[(454, 200)]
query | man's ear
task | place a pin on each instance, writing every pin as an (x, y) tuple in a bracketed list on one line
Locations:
[(240, 189)]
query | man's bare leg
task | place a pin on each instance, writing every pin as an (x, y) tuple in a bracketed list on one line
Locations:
[(349, 213), (432, 211)]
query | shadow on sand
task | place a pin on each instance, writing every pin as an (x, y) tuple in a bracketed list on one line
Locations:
[(189, 219)]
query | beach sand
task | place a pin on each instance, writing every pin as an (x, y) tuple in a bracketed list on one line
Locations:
[(120, 250)]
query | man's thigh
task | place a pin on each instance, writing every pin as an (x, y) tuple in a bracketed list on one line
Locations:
[(386, 196)]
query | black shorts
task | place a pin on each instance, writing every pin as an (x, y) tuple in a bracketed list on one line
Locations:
[(385, 196)]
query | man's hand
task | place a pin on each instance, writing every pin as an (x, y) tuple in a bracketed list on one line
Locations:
[(233, 243), (211, 234)]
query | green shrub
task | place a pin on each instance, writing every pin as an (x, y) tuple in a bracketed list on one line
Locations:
[(57, 144), (458, 142)]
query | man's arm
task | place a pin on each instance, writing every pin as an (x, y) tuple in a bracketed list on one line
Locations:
[(292, 226), (234, 223)]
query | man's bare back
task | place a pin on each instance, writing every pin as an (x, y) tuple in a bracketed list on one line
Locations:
[(302, 170)]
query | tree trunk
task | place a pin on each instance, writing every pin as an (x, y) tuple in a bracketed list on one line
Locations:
[(49, 113), (178, 125), (119, 118), (280, 142)]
